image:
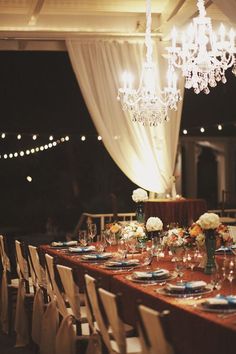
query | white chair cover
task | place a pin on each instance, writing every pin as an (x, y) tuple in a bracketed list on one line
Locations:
[(71, 289), (4, 288), (37, 316), (121, 344), (21, 318), (154, 331), (66, 337), (50, 324)]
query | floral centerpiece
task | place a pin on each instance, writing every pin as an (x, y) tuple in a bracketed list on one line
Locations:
[(176, 240), (154, 224), (209, 233), (114, 229), (139, 196), (134, 232)]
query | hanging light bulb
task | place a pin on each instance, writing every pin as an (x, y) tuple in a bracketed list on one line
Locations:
[(147, 104)]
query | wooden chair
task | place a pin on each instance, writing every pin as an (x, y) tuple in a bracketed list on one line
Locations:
[(151, 333)]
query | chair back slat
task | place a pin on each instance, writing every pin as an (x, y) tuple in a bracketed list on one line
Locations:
[(151, 332), (110, 305)]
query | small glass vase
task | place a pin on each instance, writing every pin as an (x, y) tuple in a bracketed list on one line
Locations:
[(210, 242), (140, 217)]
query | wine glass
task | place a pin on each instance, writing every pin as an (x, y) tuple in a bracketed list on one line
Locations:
[(122, 248), (147, 257), (230, 271), (180, 265), (83, 237), (132, 243), (92, 231), (192, 259), (110, 237), (100, 243)]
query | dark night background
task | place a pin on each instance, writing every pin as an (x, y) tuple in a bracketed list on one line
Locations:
[(39, 94)]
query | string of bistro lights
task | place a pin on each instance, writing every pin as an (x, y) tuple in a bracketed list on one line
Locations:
[(53, 142), (203, 129)]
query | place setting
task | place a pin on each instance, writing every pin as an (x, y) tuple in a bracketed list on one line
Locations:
[(185, 289), (223, 305), (152, 277), (121, 264)]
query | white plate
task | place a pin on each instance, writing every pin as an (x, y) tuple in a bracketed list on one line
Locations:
[(150, 281), (214, 310), (206, 290)]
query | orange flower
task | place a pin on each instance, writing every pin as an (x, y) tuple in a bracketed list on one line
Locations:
[(195, 230)]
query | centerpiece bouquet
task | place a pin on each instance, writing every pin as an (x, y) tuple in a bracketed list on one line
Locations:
[(176, 240), (209, 222), (139, 196)]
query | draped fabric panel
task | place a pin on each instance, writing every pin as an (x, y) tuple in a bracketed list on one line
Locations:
[(146, 155), (228, 8)]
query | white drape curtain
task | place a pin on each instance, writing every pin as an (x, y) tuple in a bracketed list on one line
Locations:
[(146, 155), (228, 8)]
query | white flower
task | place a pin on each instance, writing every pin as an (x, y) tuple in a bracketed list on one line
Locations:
[(154, 224), (139, 195), (133, 230), (209, 221)]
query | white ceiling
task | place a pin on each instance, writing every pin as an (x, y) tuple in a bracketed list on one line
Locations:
[(44, 24)]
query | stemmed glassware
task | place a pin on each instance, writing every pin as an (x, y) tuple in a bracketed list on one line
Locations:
[(192, 258), (83, 237), (110, 238), (122, 248), (100, 243), (230, 271), (92, 231)]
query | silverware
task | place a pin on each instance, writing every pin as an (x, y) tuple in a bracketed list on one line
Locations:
[(226, 315)]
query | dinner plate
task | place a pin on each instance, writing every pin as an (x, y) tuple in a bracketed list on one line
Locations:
[(150, 281), (123, 265), (204, 308), (96, 257), (165, 291)]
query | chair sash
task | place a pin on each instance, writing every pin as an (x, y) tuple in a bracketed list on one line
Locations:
[(37, 316), (66, 337), (50, 324), (21, 319), (4, 303)]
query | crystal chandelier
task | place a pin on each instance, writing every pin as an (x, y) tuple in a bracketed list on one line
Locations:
[(203, 56), (149, 105)]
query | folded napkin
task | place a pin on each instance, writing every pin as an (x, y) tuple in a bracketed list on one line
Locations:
[(97, 256), (121, 263), (221, 301), (81, 249), (186, 286), (159, 273), (67, 243), (223, 249)]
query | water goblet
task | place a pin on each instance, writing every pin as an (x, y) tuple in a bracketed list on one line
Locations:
[(132, 243), (83, 237), (92, 231), (230, 271), (100, 243), (122, 248)]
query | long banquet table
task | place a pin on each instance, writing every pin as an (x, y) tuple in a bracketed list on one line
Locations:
[(189, 329)]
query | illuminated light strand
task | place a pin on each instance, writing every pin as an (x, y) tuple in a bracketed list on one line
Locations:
[(34, 150), (220, 127)]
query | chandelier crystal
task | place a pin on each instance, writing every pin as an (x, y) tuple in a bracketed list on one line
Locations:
[(148, 105), (203, 56)]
